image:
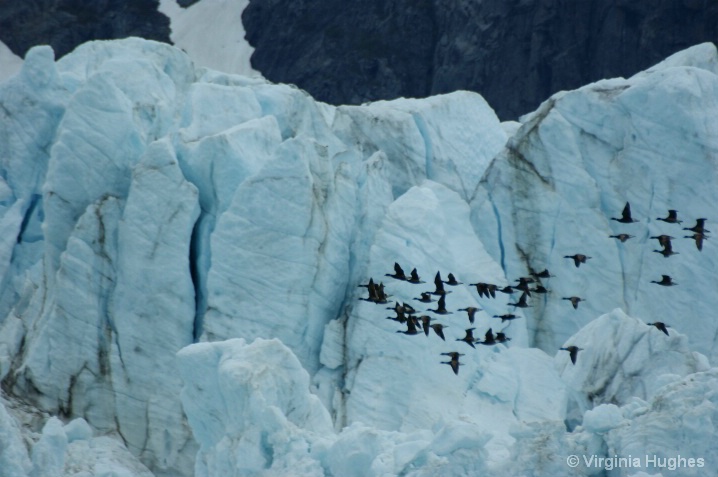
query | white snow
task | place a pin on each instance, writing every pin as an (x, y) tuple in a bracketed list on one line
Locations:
[(212, 34), (10, 63), (182, 251)]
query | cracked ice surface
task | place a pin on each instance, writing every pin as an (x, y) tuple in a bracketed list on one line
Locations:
[(175, 231)]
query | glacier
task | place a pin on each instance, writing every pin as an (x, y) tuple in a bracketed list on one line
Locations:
[(183, 252)]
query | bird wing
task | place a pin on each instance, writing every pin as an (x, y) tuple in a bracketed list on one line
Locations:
[(626, 214)]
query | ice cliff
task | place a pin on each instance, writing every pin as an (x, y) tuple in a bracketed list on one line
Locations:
[(182, 252)]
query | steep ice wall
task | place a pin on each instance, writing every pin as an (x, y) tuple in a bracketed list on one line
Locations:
[(101, 289), (634, 393), (252, 411), (650, 140), (148, 205), (58, 449)]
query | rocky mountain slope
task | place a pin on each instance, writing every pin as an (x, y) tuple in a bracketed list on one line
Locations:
[(514, 53)]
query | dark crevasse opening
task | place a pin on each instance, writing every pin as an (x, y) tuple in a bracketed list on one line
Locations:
[(198, 273)]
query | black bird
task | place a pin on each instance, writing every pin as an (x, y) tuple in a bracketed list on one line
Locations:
[(425, 320), (425, 298), (414, 278), (400, 315), (381, 296), (540, 289), (578, 258), (672, 217), (452, 280), (481, 288), (485, 289), (522, 301), (508, 289), (489, 339), (439, 330), (398, 273), (625, 215), (699, 228), (410, 327), (471, 311), (573, 351), (524, 285), (439, 285), (667, 251), (454, 361), (469, 338), (544, 274), (698, 237), (661, 326), (407, 308), (492, 289), (663, 240), (666, 281), (398, 318), (506, 317), (621, 237), (368, 285), (501, 337), (373, 292), (441, 307), (575, 301)]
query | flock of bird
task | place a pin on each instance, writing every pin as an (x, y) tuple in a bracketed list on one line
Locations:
[(699, 235), (417, 323)]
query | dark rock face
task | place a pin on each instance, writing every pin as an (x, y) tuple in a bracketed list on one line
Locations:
[(516, 53), (345, 52), (65, 24)]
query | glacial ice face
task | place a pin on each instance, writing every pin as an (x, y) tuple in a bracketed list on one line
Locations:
[(112, 292), (649, 140), (148, 205), (688, 404), (14, 458), (144, 224), (251, 410), (636, 360)]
